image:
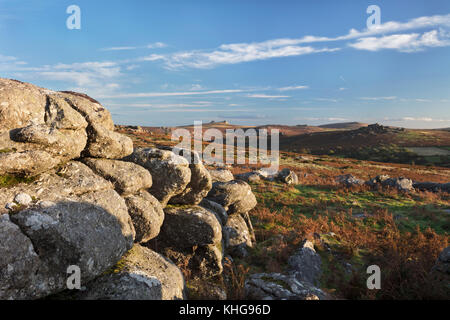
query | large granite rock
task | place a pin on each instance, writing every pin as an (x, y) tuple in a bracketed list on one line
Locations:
[(141, 274), (171, 173), (62, 235), (147, 215), (189, 226)]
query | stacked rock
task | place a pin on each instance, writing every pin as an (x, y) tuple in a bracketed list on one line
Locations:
[(81, 196)]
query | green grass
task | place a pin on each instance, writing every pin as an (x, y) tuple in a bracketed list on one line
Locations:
[(10, 180), (409, 211)]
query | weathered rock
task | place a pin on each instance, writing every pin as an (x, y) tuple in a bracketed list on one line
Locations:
[(189, 226), (235, 196), (147, 215), (287, 176), (90, 109), (104, 143), (63, 235), (217, 209), (141, 274), (199, 185), (237, 237), (221, 175), (306, 264), (19, 262), (69, 181), (276, 286), (66, 144), (349, 180), (127, 177), (171, 173), (31, 162)]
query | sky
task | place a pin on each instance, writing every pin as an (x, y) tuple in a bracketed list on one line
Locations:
[(169, 63)]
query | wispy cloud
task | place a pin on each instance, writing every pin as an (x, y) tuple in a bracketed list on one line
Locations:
[(234, 53), (378, 98), (169, 94), (265, 96), (425, 119), (293, 88), (155, 45)]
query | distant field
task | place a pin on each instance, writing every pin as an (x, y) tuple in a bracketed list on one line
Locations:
[(430, 151)]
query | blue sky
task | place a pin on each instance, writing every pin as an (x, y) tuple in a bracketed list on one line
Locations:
[(246, 61)]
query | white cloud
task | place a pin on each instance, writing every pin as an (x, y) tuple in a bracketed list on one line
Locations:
[(233, 54), (379, 98), (402, 42), (326, 99), (118, 48), (167, 94), (425, 119), (156, 45), (293, 88), (265, 96)]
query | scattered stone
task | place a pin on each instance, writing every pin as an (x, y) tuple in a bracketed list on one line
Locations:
[(276, 286), (249, 177), (349, 180), (306, 264), (23, 199), (287, 176)]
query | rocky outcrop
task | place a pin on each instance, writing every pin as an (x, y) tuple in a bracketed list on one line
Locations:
[(40, 129)]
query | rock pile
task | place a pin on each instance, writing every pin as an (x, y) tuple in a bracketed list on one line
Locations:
[(80, 195)]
